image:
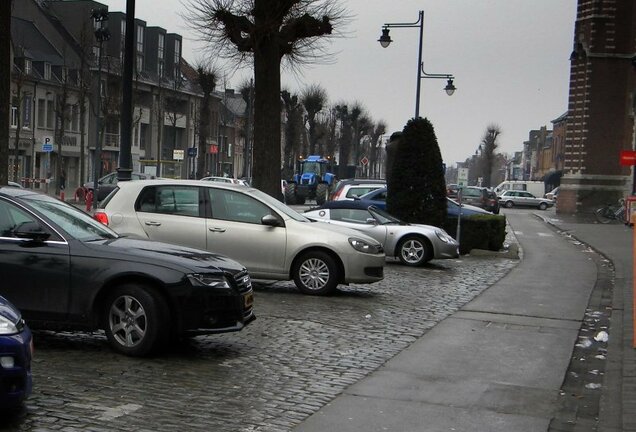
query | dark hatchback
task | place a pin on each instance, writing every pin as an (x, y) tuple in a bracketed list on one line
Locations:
[(16, 349), (64, 270), (480, 197)]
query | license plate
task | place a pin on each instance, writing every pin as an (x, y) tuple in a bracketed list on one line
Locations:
[(248, 300)]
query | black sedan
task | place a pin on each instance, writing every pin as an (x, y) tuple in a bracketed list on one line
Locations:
[(64, 270)]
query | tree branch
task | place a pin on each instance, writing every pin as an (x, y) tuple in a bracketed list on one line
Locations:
[(235, 27), (302, 27)]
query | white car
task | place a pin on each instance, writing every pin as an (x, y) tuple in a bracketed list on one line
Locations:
[(272, 240), (412, 244), (226, 180)]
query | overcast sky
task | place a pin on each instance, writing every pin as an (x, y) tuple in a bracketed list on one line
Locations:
[(509, 59)]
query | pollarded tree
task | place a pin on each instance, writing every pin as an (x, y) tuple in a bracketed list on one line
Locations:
[(207, 78), (416, 186), (267, 31), (314, 99), (488, 147)]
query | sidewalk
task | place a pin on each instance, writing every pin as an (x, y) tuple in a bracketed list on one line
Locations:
[(499, 363)]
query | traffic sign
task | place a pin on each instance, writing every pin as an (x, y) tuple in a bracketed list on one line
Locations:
[(462, 176), (177, 154), (47, 144), (628, 157), (364, 160), (192, 151)]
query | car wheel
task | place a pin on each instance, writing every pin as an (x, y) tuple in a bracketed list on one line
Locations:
[(543, 206), (509, 204), (413, 251), (290, 193), (136, 320), (316, 273), (322, 192)]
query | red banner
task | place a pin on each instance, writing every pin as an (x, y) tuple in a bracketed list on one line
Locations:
[(214, 149)]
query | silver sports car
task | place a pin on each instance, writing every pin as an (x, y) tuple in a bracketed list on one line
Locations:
[(413, 244)]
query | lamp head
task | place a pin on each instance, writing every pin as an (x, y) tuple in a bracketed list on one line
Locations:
[(385, 39), (450, 87)]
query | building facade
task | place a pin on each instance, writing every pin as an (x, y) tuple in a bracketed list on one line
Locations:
[(601, 105)]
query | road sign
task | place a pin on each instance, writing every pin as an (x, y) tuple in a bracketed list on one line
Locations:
[(628, 157), (47, 144), (192, 151), (364, 160), (177, 154), (462, 176)]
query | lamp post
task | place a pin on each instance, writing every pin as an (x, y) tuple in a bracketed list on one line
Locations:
[(102, 35), (385, 40)]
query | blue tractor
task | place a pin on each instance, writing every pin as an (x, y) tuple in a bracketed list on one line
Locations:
[(313, 180)]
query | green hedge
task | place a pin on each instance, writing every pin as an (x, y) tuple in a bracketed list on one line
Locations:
[(478, 232)]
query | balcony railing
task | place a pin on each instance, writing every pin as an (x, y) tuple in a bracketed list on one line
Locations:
[(111, 140)]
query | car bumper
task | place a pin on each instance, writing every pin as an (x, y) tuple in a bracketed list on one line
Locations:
[(16, 381), (446, 250), (209, 311), (363, 268)]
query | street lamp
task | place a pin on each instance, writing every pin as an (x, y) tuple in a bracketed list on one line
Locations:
[(102, 34), (385, 40)]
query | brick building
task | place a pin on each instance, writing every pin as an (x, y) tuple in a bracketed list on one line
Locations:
[(601, 105)]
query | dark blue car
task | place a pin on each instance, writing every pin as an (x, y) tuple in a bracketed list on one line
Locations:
[(16, 349), (378, 199)]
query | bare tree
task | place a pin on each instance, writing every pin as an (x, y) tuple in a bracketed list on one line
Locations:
[(488, 146), (270, 31), (314, 99), (17, 101), (378, 131), (207, 78), (293, 132)]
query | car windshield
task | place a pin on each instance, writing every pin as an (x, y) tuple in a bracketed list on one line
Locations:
[(273, 202), (383, 217), (72, 220)]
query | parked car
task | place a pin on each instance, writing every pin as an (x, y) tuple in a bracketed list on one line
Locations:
[(106, 184), (512, 198), (412, 244), (378, 199), (480, 197), (65, 270), (226, 180), (14, 184), (451, 190), (272, 240), (553, 194), (16, 351), (349, 189)]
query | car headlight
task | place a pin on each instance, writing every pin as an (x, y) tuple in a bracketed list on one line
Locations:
[(209, 280), (443, 236), (365, 247), (7, 327)]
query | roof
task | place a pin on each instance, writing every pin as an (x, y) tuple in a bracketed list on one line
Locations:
[(25, 35)]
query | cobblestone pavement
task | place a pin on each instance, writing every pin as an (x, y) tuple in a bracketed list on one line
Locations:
[(297, 356)]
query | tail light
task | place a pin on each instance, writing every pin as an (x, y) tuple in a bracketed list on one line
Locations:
[(101, 217), (336, 195)]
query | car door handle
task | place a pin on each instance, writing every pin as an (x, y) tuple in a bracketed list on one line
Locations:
[(151, 223), (215, 229)]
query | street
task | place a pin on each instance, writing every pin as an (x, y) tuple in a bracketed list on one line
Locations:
[(297, 356)]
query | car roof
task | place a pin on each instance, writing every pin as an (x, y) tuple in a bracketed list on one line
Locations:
[(345, 204), (360, 181), (16, 192), (168, 182)]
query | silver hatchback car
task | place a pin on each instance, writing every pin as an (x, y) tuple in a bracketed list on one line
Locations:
[(272, 240)]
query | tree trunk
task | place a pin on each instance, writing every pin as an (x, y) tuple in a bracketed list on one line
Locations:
[(267, 108), (5, 87)]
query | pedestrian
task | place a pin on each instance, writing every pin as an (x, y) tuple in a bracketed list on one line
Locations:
[(63, 180)]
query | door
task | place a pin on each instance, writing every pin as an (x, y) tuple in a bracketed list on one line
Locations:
[(172, 214), (35, 275), (234, 229)]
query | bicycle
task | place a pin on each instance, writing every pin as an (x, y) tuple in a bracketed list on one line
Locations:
[(609, 213)]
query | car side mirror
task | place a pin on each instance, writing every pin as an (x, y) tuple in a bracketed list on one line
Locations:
[(371, 221), (270, 220), (32, 231)]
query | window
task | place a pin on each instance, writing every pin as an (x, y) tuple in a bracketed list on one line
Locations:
[(177, 53), (235, 206), (47, 71), (140, 62), (177, 200), (229, 149), (160, 68), (14, 116), (140, 39), (50, 114), (75, 118), (26, 111), (28, 66), (11, 217), (96, 52), (160, 46), (122, 26), (41, 112), (358, 216)]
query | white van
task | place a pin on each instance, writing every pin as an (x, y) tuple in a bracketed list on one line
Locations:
[(536, 188)]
